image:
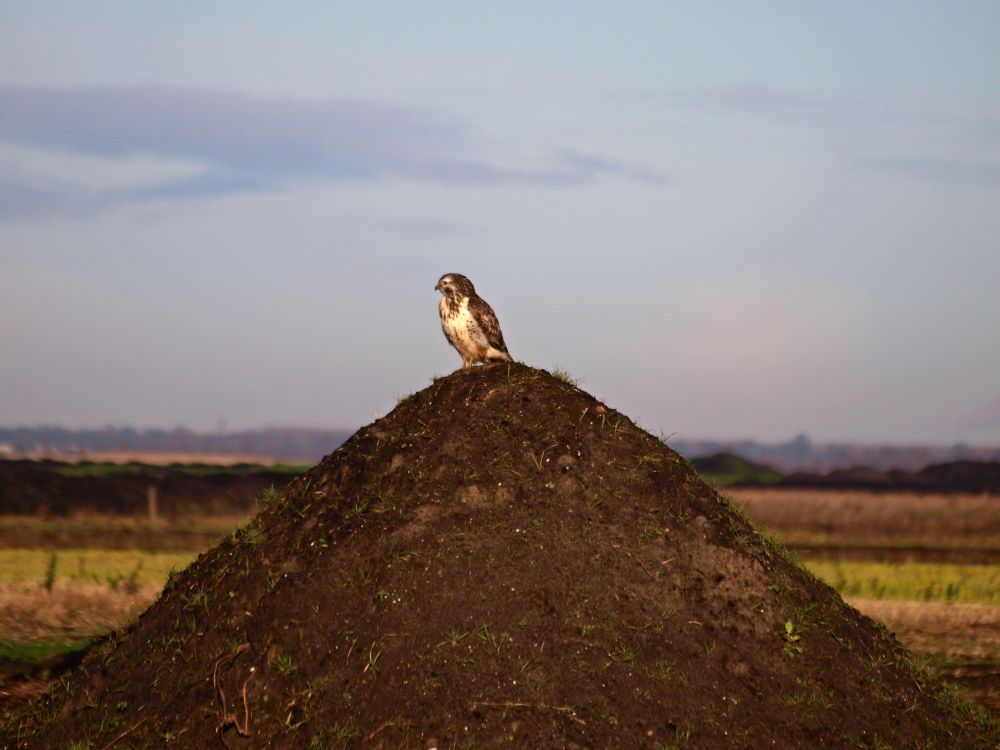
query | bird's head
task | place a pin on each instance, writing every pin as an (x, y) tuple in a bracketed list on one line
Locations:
[(455, 286)]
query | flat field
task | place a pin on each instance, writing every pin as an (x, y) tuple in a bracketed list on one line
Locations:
[(926, 565), (894, 525)]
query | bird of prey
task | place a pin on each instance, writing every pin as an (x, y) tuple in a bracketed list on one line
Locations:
[(469, 323)]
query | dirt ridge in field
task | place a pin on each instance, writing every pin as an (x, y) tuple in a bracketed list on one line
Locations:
[(953, 476), (42, 489), (502, 561)]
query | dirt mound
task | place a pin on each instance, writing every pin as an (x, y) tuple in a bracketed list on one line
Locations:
[(500, 562)]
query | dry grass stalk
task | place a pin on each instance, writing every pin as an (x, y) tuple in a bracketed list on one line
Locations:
[(72, 609), (867, 516), (956, 630)]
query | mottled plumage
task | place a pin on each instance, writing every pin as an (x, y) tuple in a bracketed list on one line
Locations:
[(468, 322)]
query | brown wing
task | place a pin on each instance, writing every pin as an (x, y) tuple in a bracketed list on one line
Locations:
[(487, 320)]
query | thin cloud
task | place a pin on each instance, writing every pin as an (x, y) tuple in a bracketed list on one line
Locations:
[(276, 135), (32, 198), (595, 165), (254, 144)]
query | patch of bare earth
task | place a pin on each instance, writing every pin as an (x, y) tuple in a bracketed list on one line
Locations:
[(502, 561)]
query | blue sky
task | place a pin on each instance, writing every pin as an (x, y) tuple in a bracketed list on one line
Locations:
[(727, 219)]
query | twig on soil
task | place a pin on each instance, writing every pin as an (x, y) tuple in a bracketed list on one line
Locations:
[(568, 710), (227, 719), (384, 725), (642, 565), (114, 740)]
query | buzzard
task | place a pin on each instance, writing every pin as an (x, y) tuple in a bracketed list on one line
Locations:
[(468, 322)]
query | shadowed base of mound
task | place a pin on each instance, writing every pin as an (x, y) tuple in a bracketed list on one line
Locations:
[(502, 561)]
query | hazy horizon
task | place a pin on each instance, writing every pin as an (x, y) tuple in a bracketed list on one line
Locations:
[(724, 221), (348, 429)]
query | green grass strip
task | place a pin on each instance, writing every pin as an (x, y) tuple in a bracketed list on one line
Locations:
[(90, 566), (36, 652), (922, 582)]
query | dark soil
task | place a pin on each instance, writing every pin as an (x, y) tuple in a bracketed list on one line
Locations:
[(500, 562), (901, 554), (21, 681), (980, 679), (955, 476), (38, 488)]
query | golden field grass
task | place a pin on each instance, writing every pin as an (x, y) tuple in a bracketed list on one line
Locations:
[(70, 611), (101, 525), (874, 518), (955, 631), (89, 531)]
